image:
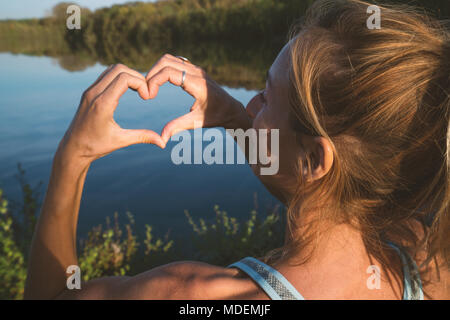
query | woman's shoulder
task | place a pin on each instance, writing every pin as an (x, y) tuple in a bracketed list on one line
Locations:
[(192, 280)]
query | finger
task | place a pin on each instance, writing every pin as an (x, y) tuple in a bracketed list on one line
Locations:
[(185, 122), (170, 61), (112, 73), (117, 87), (136, 136), (101, 76), (192, 84), (89, 92)]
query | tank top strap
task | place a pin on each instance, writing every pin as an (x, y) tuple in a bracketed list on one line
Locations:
[(277, 287), (274, 284), (411, 276)]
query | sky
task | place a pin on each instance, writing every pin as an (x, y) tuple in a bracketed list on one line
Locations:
[(19, 9)]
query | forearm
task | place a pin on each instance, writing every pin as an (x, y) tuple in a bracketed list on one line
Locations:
[(53, 247), (239, 118), (92, 134)]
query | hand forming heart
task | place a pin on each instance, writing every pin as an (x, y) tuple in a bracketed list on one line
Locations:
[(93, 133), (213, 106)]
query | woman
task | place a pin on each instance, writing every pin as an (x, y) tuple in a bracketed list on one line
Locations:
[(363, 144)]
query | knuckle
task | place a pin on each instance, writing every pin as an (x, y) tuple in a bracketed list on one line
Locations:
[(167, 56), (87, 95), (140, 137), (100, 106), (119, 67), (122, 76), (167, 69), (144, 139), (98, 102)]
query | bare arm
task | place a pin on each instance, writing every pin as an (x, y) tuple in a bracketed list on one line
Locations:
[(92, 134)]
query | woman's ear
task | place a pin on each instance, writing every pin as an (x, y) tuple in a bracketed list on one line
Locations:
[(321, 154)]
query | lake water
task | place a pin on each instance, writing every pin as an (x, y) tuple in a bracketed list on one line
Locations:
[(37, 102)]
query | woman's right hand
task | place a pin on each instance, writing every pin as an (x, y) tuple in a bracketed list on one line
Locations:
[(93, 132), (213, 106)]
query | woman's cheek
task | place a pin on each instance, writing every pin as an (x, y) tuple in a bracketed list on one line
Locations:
[(261, 121)]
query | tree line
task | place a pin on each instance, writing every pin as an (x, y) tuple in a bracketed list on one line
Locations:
[(220, 35)]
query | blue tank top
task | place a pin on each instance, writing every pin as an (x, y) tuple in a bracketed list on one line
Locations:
[(277, 287)]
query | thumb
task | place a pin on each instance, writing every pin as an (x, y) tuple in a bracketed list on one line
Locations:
[(185, 122), (136, 136)]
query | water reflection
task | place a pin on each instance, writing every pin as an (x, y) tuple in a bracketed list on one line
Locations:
[(236, 65)]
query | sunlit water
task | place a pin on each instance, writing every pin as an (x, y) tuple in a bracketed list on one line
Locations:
[(37, 102)]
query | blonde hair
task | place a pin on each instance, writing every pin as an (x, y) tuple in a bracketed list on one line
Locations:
[(381, 97)]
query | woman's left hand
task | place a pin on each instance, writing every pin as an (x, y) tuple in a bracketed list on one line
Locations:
[(93, 132), (213, 106)]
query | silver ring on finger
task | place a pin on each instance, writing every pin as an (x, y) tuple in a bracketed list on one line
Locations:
[(183, 77), (183, 59)]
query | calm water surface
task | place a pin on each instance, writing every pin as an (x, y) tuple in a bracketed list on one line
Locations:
[(37, 102)]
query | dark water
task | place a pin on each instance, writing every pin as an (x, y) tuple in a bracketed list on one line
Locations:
[(37, 102)]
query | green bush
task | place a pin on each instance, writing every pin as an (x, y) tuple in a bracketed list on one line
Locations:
[(227, 240), (107, 251), (12, 259)]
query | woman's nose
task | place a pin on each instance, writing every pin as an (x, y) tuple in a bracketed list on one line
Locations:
[(253, 107)]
